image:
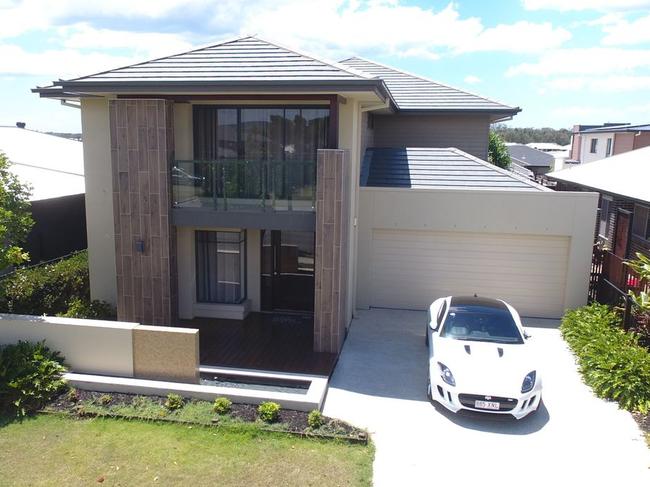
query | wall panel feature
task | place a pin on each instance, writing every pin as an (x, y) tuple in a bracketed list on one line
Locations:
[(142, 147), (332, 243)]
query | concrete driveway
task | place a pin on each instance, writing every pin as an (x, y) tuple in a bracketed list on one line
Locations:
[(379, 384)]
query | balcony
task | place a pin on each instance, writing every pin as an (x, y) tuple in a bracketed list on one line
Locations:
[(241, 185)]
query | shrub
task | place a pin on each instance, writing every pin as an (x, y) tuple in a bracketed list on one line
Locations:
[(30, 376), (46, 289), (174, 402), (105, 399), (269, 412), (315, 419), (73, 395), (222, 405), (93, 310), (611, 361)]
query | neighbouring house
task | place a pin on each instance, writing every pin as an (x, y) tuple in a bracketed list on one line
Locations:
[(533, 160), (594, 142), (53, 167), (247, 179), (624, 207)]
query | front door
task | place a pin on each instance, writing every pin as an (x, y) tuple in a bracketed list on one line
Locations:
[(622, 234), (287, 271)]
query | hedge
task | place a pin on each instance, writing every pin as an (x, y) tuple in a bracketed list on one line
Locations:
[(611, 360), (60, 288)]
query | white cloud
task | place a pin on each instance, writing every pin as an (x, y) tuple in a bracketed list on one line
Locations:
[(472, 80), (623, 32), (519, 37), (568, 5), (602, 112), (331, 28), (64, 63), (585, 61), (391, 28), (147, 44), (612, 84)]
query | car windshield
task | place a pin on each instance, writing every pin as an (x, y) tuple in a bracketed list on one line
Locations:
[(481, 323)]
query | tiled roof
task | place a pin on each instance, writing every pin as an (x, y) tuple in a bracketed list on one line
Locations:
[(437, 168), (243, 59), (618, 128), (624, 174), (529, 157), (411, 92)]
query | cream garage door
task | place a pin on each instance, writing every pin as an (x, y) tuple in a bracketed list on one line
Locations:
[(410, 269)]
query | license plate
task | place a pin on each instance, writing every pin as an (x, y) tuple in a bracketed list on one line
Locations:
[(486, 405)]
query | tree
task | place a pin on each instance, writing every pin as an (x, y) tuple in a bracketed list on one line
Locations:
[(15, 216), (498, 152), (525, 135)]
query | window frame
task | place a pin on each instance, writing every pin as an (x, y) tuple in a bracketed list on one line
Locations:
[(593, 147), (645, 234), (610, 144), (243, 262), (604, 220), (240, 107)]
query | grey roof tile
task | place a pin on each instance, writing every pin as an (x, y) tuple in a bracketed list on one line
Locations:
[(411, 92), (529, 157), (243, 59), (437, 168)]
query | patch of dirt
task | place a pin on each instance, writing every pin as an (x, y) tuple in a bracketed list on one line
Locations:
[(643, 420)]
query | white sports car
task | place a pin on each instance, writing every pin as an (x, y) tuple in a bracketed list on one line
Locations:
[(479, 359)]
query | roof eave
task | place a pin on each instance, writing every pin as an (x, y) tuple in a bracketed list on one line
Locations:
[(598, 190), (152, 87)]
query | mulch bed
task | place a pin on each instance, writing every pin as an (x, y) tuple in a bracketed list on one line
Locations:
[(290, 421), (643, 420)]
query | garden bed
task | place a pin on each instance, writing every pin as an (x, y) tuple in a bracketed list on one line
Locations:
[(152, 408)]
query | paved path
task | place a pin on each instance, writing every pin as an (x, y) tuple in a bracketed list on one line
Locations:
[(379, 384)]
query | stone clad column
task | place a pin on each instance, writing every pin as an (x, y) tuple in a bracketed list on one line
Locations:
[(142, 148), (331, 272)]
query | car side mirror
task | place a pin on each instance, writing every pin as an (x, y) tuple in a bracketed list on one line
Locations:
[(433, 325), (526, 335)]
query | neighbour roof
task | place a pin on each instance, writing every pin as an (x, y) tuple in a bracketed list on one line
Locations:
[(625, 175), (437, 168), (411, 92), (529, 157), (618, 128), (246, 61), (51, 165)]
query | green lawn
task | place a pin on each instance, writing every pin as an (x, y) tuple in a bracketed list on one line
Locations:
[(54, 450)]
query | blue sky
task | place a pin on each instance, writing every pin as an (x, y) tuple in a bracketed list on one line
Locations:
[(561, 61)]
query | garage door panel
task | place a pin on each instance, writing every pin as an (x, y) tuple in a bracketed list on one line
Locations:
[(410, 268)]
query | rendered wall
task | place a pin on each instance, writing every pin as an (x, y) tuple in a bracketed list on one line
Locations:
[(524, 213), (111, 348), (89, 346), (99, 199)]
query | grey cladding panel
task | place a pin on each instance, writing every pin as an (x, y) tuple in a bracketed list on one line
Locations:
[(436, 168)]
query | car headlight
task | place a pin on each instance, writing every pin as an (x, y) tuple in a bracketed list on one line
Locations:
[(529, 382), (446, 374)]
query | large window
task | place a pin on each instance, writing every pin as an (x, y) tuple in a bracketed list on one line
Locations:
[(260, 133), (641, 224), (603, 227), (220, 267)]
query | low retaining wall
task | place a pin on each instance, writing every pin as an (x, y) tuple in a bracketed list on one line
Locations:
[(111, 348)]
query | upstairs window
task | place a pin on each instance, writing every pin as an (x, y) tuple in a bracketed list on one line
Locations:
[(641, 222), (264, 133), (594, 146)]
